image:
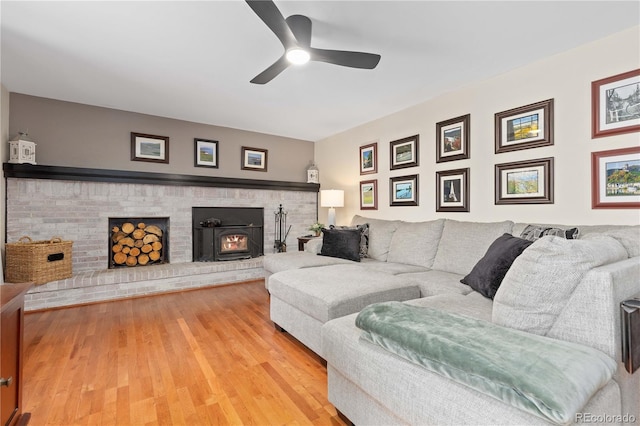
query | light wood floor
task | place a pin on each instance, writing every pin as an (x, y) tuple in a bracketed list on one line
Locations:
[(201, 357)]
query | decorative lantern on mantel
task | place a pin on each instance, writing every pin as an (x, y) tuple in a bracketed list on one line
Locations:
[(313, 174), (22, 149)]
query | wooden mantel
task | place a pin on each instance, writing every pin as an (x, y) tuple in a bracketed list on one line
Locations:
[(30, 171)]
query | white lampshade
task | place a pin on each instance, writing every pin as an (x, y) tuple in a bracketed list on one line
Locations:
[(331, 198)]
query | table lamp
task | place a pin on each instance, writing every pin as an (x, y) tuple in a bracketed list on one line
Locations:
[(332, 198)]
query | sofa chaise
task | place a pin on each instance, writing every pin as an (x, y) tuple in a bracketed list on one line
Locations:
[(554, 301)]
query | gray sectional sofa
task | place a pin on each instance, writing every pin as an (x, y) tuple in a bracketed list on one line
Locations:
[(556, 309)]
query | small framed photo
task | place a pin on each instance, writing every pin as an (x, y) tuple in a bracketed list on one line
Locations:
[(404, 152), (452, 190), (150, 148), (206, 153), (369, 158), (530, 126), (452, 139), (615, 179), (525, 182), (615, 107), (369, 194), (403, 190), (254, 159)]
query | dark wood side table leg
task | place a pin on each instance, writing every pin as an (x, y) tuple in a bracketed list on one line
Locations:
[(302, 241)]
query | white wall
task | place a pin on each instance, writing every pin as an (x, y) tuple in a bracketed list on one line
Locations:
[(565, 77)]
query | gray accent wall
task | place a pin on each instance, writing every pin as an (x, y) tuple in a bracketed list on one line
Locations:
[(77, 135)]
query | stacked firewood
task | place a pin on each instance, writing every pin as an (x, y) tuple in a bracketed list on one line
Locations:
[(136, 244)]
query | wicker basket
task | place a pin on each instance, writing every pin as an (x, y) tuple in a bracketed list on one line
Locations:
[(38, 261)]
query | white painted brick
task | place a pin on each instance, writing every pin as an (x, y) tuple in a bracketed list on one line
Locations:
[(79, 211)]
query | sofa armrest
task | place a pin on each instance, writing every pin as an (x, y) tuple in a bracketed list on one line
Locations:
[(592, 315), (313, 246)]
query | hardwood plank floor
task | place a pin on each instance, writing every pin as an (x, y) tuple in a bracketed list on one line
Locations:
[(202, 357)]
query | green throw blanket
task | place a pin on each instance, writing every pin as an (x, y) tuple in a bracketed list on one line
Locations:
[(550, 378)]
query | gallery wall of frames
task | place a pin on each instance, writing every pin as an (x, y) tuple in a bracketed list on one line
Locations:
[(615, 173)]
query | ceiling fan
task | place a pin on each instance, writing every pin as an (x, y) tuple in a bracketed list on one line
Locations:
[(295, 35)]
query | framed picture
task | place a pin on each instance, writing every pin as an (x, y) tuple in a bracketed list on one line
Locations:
[(206, 153), (369, 158), (254, 159), (452, 139), (615, 179), (452, 190), (403, 190), (525, 182), (150, 148), (615, 104), (369, 194), (530, 126), (404, 152)]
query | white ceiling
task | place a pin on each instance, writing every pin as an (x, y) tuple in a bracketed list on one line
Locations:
[(193, 60)]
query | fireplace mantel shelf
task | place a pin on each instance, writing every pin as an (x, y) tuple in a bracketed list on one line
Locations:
[(30, 171)]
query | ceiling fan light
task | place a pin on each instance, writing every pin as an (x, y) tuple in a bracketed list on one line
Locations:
[(298, 56)]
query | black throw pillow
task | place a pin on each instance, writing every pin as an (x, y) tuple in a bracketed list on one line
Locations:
[(364, 236), (342, 243), (487, 275)]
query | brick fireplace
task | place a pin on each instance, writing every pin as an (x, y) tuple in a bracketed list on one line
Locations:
[(76, 204)]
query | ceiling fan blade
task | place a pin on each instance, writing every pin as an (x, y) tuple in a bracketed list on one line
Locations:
[(271, 72), (301, 27), (271, 16), (345, 58)]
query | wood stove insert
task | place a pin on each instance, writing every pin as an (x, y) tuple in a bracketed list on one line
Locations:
[(227, 233)]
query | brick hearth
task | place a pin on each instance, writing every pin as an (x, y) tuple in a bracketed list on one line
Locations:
[(94, 286)]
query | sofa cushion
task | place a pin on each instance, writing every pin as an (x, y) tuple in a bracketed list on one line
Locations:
[(434, 282), (391, 268), (333, 291), (628, 236), (543, 278), (464, 243), (534, 232), (472, 304), (276, 262), (380, 233), (341, 243), (416, 243), (487, 274)]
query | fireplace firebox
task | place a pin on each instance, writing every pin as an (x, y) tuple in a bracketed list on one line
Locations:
[(227, 233), (138, 241), (235, 242)]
